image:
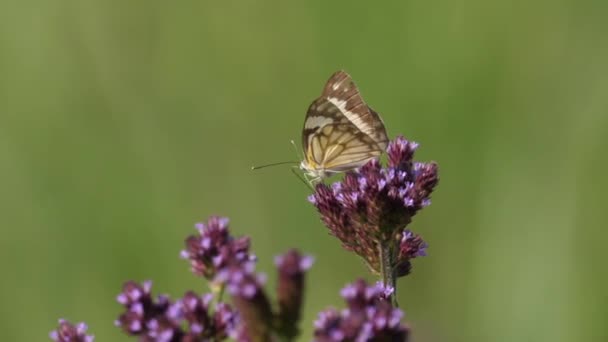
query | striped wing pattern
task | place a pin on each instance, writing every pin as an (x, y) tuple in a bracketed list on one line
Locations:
[(340, 131)]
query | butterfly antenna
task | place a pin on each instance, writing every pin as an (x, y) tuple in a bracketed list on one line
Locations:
[(273, 164), (298, 152)]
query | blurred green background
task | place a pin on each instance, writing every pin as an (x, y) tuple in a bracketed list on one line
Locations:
[(122, 123)]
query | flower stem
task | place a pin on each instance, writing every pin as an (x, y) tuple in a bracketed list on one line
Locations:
[(218, 291), (221, 292), (387, 270)]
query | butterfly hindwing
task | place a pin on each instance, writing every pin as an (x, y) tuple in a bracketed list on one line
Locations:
[(334, 143)]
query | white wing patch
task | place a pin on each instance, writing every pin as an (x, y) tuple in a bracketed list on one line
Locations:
[(355, 119), (318, 121)]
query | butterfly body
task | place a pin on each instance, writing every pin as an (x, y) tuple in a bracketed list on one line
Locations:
[(341, 132)]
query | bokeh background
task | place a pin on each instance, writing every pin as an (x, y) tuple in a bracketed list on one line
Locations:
[(122, 123)]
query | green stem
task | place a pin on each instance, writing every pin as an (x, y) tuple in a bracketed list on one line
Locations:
[(387, 270), (220, 293)]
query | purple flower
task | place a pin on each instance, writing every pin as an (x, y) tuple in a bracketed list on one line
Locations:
[(359, 295), (368, 317), (200, 321), (290, 290), (189, 319), (372, 205), (144, 315), (257, 321), (410, 246), (214, 248), (225, 320), (250, 300), (67, 332)]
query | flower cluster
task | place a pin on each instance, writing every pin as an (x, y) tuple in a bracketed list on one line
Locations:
[(368, 317), (258, 320), (194, 310), (214, 248), (370, 207), (67, 332), (410, 246), (368, 211), (227, 262), (251, 301), (290, 290), (187, 319)]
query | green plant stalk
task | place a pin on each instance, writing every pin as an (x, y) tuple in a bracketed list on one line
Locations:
[(387, 271)]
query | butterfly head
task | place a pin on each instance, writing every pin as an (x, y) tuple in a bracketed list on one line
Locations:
[(313, 172)]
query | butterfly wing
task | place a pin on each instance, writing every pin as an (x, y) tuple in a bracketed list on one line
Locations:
[(344, 94), (332, 142), (340, 131), (349, 150)]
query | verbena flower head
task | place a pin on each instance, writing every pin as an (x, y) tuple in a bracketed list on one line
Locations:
[(368, 317), (190, 318), (410, 246), (201, 322), (257, 320), (359, 295), (374, 204), (141, 308), (214, 248), (67, 332), (290, 290), (248, 295)]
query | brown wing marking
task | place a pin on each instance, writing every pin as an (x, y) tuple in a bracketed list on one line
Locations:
[(348, 146), (340, 131)]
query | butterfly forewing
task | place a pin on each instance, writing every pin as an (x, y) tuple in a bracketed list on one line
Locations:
[(342, 92), (340, 131)]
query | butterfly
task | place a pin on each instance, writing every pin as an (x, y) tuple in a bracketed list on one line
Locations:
[(341, 132)]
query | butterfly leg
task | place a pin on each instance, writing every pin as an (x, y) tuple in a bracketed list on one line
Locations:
[(314, 181), (304, 179)]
